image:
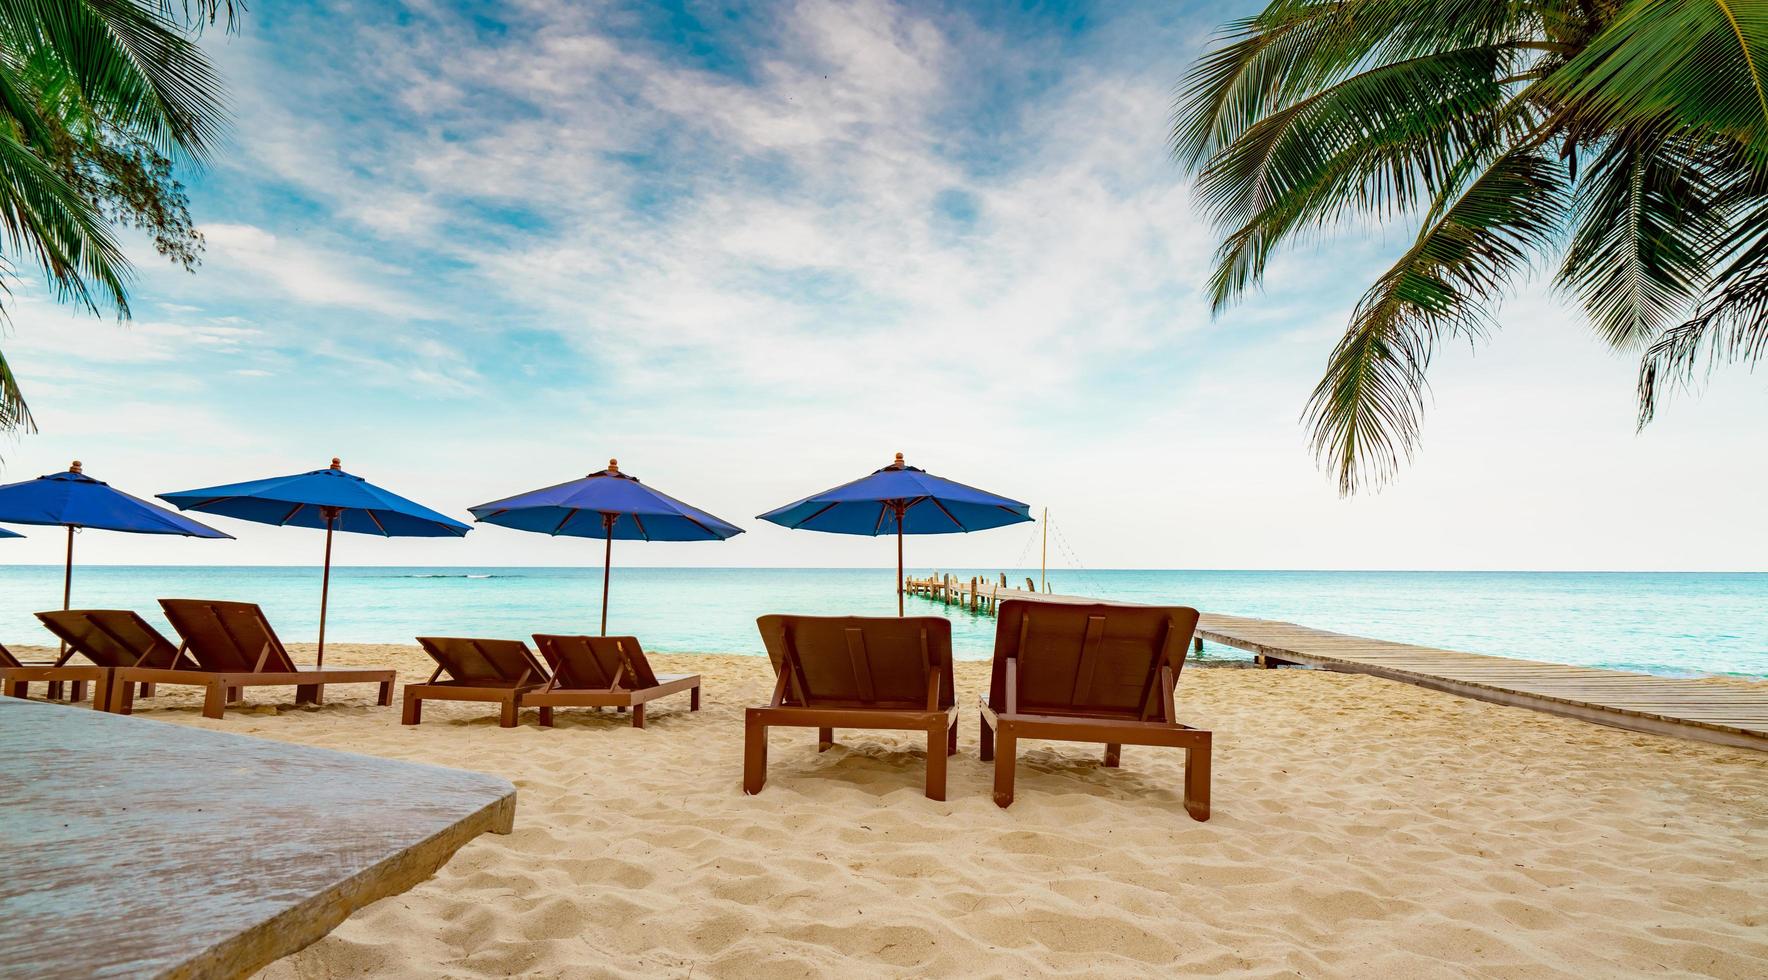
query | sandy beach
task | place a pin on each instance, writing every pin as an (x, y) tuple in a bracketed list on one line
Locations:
[(1360, 827)]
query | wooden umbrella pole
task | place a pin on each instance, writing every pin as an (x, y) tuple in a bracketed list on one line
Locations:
[(67, 588), (899, 512), (331, 519), (607, 565)]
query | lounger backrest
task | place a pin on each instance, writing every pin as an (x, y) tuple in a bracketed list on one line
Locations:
[(113, 638), (594, 662), (480, 661), (228, 637), (858, 661), (7, 659), (1091, 659)]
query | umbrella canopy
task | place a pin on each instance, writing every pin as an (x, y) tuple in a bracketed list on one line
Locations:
[(74, 500), (329, 498), (4, 533), (607, 504), (900, 499)]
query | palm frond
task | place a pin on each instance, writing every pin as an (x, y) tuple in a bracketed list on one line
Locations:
[(1731, 327), (1646, 230), (1366, 412), (15, 415), (1378, 144), (40, 215), (1676, 65)]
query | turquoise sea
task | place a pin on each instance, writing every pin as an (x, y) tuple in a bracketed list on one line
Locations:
[(1671, 623)]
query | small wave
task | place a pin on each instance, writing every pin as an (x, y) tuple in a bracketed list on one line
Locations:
[(451, 575)]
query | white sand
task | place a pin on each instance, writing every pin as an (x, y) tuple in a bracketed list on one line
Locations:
[(1360, 827)]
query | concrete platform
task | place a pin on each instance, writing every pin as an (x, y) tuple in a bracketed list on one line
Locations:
[(133, 847)]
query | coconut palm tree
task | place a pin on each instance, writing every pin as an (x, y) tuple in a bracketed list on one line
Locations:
[(1627, 140), (97, 99)]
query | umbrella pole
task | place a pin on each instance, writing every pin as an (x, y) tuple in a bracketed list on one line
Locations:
[(325, 590), (899, 510), (67, 589), (607, 566)]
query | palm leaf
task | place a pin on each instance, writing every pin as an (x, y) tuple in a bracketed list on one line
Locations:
[(1646, 228), (1677, 65), (1366, 412)]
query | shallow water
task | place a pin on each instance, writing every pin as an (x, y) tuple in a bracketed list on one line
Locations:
[(1673, 623)]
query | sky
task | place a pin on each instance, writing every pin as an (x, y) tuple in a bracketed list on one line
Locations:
[(753, 250)]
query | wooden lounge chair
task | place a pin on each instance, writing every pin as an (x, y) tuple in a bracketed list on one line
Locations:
[(1091, 673), (857, 672), (17, 676), (234, 648), (478, 670), (601, 672), (110, 638)]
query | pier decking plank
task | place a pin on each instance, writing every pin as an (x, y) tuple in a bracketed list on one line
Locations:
[(1697, 709), (147, 848)]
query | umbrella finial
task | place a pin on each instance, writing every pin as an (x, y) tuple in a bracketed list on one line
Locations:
[(337, 464), (613, 466), (74, 467), (899, 463)]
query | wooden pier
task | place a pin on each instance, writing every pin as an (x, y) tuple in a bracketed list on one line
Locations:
[(1717, 711)]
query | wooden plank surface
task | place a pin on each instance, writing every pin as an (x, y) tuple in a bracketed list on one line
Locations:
[(1702, 709), (135, 847)]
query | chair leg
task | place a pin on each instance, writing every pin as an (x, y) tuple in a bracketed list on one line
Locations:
[(414, 708), (79, 692), (1113, 755), (987, 741), (1006, 752), (148, 690), (825, 739), (17, 689), (215, 700), (122, 698), (638, 716), (386, 697), (936, 756), (694, 698), (507, 716), (546, 720), (754, 756), (1197, 782), (54, 692), (951, 738), (234, 694), (309, 694)]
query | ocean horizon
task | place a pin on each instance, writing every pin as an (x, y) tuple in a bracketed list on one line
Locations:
[(1672, 623)]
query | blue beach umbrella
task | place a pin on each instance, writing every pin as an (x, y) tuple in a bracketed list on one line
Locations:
[(4, 533), (74, 500), (331, 499), (608, 504), (900, 499)]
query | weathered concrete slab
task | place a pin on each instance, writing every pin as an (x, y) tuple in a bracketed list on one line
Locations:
[(132, 847)]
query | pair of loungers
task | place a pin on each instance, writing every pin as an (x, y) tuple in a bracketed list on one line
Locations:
[(1080, 673), (580, 672), (224, 648)]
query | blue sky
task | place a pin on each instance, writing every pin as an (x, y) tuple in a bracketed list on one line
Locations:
[(752, 250)]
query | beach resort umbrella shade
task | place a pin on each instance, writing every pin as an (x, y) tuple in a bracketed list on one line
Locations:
[(4, 533), (900, 499), (608, 504), (329, 498), (74, 500)]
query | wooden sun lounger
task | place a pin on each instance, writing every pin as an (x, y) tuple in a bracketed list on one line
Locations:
[(234, 648), (110, 638), (1091, 673), (603, 672), (478, 670), (857, 672), (17, 676)]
